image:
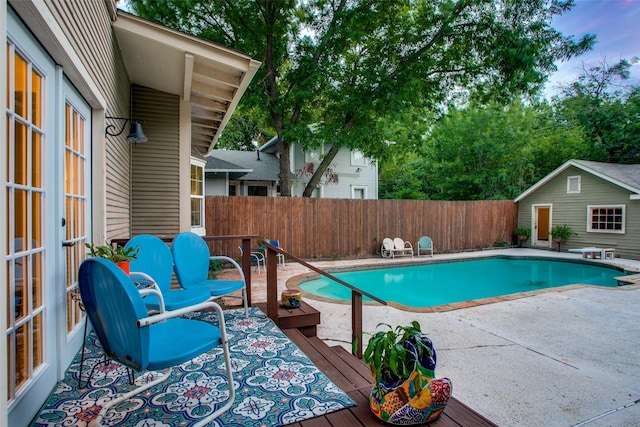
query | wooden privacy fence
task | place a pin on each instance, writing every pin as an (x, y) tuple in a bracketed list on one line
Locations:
[(343, 228)]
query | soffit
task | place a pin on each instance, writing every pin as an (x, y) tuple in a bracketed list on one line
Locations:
[(211, 77)]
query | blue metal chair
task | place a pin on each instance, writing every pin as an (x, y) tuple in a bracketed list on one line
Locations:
[(191, 261), (279, 256), (129, 336), (155, 264), (257, 258), (425, 244)]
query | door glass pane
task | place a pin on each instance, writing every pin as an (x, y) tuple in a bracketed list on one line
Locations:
[(36, 99), (20, 363), (20, 153), (37, 340), (20, 86), (20, 215), (36, 280), (21, 268), (36, 158)]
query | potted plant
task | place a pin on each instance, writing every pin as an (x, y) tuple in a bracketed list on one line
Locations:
[(560, 234), (403, 362), (119, 254), (522, 234)]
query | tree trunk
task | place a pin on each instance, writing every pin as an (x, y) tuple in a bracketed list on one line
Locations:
[(285, 173), (317, 174)]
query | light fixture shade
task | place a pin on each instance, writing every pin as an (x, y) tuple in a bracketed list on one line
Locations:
[(135, 134)]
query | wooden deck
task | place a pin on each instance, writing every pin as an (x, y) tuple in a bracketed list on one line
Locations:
[(351, 375)]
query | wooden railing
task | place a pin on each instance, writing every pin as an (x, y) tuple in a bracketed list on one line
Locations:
[(272, 292)]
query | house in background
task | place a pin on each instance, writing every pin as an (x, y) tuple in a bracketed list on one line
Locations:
[(600, 202), (241, 173), (77, 75), (357, 176)]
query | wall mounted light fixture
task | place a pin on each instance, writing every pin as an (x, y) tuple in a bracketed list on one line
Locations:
[(135, 133)]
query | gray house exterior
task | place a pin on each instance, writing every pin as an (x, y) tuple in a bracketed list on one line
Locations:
[(357, 174), (241, 173), (600, 202)]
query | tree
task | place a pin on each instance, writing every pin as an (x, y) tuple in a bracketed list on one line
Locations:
[(607, 111), (343, 65), (243, 132), (495, 152)]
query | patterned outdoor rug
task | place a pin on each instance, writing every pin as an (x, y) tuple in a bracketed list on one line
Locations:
[(276, 384)]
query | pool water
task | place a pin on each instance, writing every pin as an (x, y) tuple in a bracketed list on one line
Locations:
[(450, 282)]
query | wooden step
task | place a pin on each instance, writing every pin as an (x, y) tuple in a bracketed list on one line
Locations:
[(351, 375), (305, 318)]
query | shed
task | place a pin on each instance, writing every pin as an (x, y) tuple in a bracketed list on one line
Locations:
[(599, 201)]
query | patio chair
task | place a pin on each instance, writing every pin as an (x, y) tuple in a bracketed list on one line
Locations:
[(425, 244), (191, 261), (132, 338), (403, 247), (279, 256), (388, 249), (257, 258), (154, 264)]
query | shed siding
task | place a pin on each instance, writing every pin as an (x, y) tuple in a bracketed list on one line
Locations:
[(155, 184), (571, 209), (88, 29)]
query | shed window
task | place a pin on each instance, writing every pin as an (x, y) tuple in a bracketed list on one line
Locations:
[(573, 184), (606, 219)]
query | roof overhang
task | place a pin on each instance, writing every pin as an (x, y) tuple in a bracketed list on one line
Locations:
[(211, 77), (635, 191)]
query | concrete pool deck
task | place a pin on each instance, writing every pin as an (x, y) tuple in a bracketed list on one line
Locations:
[(562, 357)]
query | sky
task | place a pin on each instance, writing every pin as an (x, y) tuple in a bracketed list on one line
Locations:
[(616, 23)]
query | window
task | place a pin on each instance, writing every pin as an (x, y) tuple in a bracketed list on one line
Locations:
[(197, 195), (573, 184), (358, 192), (313, 155), (257, 190), (606, 219), (358, 158)]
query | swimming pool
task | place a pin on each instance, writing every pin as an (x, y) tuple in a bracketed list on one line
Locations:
[(440, 283)]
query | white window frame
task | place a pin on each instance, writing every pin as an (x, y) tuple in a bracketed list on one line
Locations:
[(590, 228), (359, 187), (358, 158), (574, 179), (201, 229), (313, 155)]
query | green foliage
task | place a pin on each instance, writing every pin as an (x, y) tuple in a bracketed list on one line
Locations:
[(522, 233), (113, 253), (386, 353), (244, 128), (607, 114), (345, 66), (562, 232), (489, 152)]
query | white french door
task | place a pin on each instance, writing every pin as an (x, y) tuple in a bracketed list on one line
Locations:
[(31, 353), (47, 155), (75, 217)]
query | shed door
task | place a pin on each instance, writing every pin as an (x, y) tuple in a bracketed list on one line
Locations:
[(542, 214)]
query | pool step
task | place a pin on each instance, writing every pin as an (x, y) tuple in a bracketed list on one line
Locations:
[(629, 279)]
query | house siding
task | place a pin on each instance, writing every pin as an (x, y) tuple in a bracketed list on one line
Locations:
[(88, 30), (347, 176), (571, 209), (155, 207)]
